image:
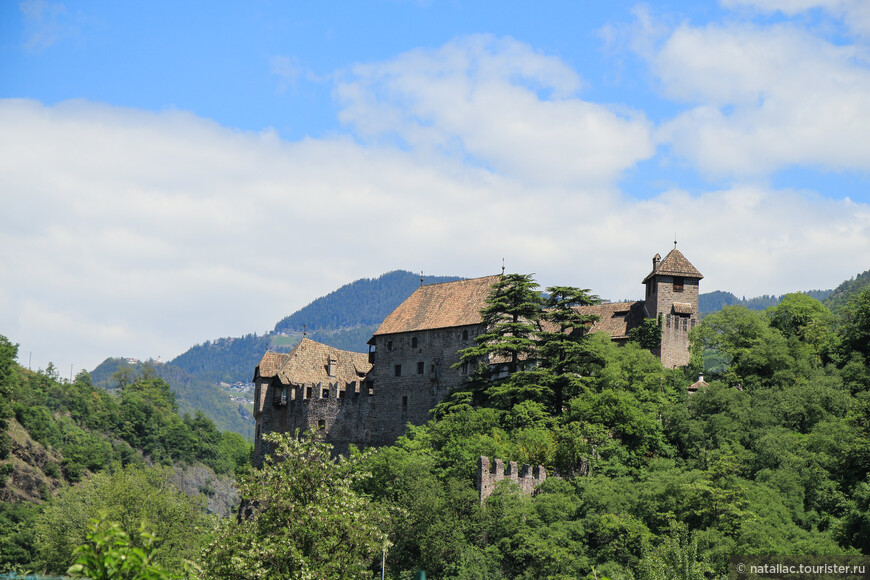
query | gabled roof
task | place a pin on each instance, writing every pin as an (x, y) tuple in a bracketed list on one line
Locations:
[(675, 264), (442, 305), (615, 318), (308, 363)]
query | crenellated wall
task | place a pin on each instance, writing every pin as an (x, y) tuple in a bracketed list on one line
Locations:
[(490, 473), (341, 410)]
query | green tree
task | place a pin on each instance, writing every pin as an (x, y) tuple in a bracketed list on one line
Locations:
[(109, 554), (132, 496), (562, 350), (855, 330), (510, 320), (301, 518)]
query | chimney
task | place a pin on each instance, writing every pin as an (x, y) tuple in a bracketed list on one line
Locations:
[(330, 367), (657, 259)]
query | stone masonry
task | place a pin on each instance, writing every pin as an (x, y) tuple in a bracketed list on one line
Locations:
[(490, 473)]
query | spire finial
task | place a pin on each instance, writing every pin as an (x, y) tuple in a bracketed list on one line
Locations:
[(675, 240), (421, 277), (502, 266)]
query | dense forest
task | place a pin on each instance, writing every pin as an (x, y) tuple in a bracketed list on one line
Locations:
[(647, 481)]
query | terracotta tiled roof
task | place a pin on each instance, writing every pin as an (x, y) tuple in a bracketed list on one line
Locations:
[(308, 363), (269, 364), (675, 264), (693, 388), (442, 305), (615, 318), (682, 308)]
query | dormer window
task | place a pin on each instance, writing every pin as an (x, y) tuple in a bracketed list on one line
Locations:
[(678, 284)]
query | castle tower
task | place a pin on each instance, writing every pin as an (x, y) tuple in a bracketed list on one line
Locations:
[(672, 294)]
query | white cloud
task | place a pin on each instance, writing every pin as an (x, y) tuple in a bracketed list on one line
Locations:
[(136, 233), (855, 14), (500, 103), (764, 98), (140, 234)]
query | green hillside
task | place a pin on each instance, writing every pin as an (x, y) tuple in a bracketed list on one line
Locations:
[(69, 449), (841, 295), (365, 302), (193, 392)]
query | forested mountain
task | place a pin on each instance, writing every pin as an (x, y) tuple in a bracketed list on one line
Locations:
[(840, 296), (365, 302), (227, 360)]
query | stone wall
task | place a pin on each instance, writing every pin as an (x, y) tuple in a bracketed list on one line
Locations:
[(413, 372), (490, 473), (340, 410), (674, 350)]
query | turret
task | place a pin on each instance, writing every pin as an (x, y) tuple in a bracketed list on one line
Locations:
[(672, 294)]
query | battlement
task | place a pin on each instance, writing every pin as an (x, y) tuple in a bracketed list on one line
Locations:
[(489, 473), (319, 393)]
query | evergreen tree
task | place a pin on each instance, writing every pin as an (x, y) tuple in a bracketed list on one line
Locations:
[(511, 319)]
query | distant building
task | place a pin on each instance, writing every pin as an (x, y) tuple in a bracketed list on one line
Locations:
[(369, 399)]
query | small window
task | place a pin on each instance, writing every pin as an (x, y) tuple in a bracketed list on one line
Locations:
[(404, 400), (465, 368), (389, 345), (321, 423), (398, 370), (324, 394), (413, 342), (307, 392), (685, 323), (678, 284), (421, 367)]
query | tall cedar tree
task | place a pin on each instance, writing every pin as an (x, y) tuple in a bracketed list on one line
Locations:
[(511, 319), (561, 347)]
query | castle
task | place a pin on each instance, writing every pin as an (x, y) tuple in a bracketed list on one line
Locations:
[(413, 360)]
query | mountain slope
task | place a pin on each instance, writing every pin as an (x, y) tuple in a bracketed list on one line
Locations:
[(193, 392), (365, 302), (840, 296)]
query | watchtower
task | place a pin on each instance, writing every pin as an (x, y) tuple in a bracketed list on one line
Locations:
[(672, 295)]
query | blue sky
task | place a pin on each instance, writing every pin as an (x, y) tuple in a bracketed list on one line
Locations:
[(176, 172)]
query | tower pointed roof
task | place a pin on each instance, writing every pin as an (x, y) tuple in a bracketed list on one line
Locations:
[(675, 264)]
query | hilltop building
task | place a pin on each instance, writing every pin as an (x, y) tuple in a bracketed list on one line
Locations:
[(369, 399)]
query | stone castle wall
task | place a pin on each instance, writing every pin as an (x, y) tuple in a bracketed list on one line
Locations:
[(490, 473), (412, 373), (340, 410), (674, 350)]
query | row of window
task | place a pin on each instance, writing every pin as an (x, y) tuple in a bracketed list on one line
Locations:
[(415, 341), (679, 321)]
